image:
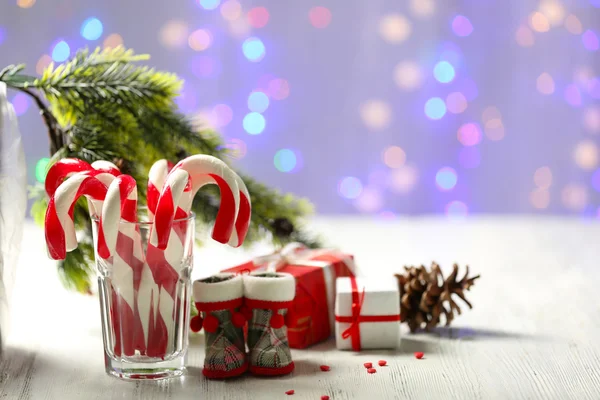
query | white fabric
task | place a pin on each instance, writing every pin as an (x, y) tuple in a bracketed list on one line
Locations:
[(210, 292), (382, 297), (280, 288)]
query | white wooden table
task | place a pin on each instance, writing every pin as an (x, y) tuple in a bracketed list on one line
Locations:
[(534, 332)]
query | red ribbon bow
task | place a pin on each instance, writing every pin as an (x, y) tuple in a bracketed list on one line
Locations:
[(353, 331)]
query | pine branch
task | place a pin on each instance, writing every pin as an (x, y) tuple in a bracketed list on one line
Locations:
[(106, 107)]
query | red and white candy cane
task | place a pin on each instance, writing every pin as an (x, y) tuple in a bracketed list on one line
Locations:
[(120, 243), (59, 225), (157, 176)]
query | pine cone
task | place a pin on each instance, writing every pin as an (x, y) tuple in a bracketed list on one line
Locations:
[(426, 295)]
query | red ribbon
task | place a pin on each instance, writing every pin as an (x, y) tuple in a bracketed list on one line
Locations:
[(353, 330)]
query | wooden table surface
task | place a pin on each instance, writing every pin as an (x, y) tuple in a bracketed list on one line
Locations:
[(534, 332)]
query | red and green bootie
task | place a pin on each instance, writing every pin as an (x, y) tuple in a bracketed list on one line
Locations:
[(218, 300), (268, 295)]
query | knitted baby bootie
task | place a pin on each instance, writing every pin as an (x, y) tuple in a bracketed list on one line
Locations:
[(218, 300), (268, 295)]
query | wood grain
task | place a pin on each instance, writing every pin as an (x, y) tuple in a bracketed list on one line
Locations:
[(533, 333)]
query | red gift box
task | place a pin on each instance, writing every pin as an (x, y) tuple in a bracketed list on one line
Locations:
[(312, 315)]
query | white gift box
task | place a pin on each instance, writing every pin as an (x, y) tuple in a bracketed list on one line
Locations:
[(367, 317)]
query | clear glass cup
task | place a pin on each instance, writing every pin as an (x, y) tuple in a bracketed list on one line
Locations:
[(145, 301)]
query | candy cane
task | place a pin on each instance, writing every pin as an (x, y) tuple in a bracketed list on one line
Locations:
[(199, 166), (59, 226), (122, 244)]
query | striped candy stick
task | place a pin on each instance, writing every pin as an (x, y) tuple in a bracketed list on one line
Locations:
[(59, 226), (165, 268), (120, 245)]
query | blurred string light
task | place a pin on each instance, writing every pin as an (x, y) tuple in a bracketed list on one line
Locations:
[(542, 177), (461, 26), (286, 160), (590, 40), (61, 51), (456, 102), (539, 22), (408, 75), (319, 17), (524, 36), (254, 123), (422, 8), (404, 179), (223, 115), (394, 157), (446, 179), (443, 72), (258, 17), (553, 10), (435, 108), (370, 200), (231, 10), (2, 35), (41, 168), (376, 114), (574, 196), (573, 95), (394, 28), (456, 210), (591, 119), (209, 4), (258, 101), (254, 49), (174, 34), (200, 40), (545, 83), (469, 134), (91, 29), (239, 28), (573, 25), (469, 157), (112, 41), (278, 89), (350, 187), (583, 76), (25, 3), (20, 103), (451, 53), (42, 64), (493, 125), (586, 155), (539, 198)]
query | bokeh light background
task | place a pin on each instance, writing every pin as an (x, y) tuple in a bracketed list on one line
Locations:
[(382, 107)]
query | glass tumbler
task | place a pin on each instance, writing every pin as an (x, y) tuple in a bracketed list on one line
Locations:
[(145, 300)]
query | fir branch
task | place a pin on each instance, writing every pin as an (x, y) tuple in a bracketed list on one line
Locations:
[(102, 106)]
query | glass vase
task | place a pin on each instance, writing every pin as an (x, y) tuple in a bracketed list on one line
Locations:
[(145, 301), (13, 203)]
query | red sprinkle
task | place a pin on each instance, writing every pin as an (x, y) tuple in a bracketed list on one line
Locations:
[(419, 354), (290, 392), (371, 370), (368, 365), (382, 363), (325, 367), (324, 397)]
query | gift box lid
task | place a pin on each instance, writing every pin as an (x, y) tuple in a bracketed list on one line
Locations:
[(382, 296)]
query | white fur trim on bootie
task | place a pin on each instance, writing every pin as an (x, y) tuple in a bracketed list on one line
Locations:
[(281, 287), (211, 292)]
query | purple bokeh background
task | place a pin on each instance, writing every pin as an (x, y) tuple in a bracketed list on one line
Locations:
[(380, 107)]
